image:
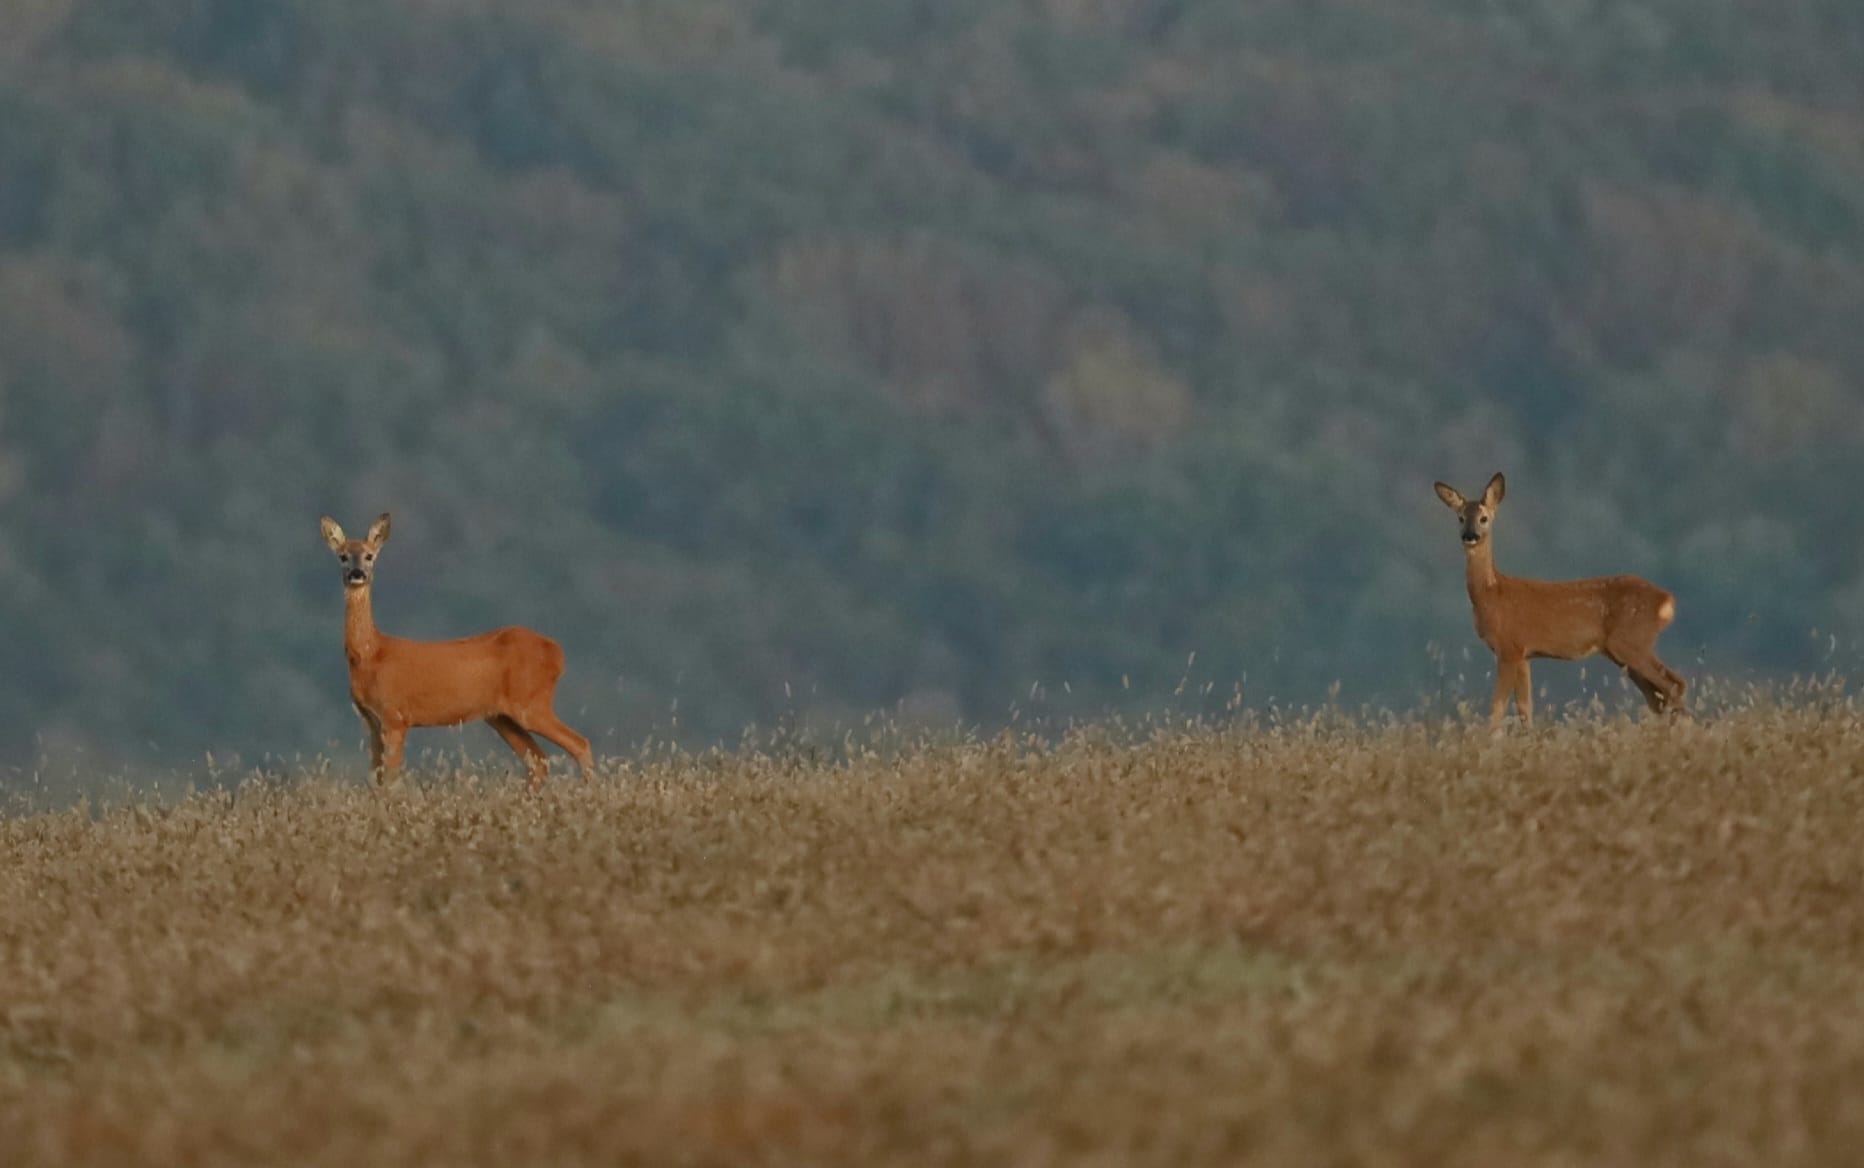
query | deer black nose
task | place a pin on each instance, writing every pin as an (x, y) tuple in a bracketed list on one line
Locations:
[(356, 576)]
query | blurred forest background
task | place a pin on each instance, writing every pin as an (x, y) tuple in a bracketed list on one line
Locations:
[(805, 359)]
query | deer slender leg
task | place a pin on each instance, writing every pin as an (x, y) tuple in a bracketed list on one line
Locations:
[(373, 728), (1524, 694), (525, 746), (394, 738), (547, 725), (1662, 686), (1668, 683), (1677, 685), (1653, 696), (1504, 686)]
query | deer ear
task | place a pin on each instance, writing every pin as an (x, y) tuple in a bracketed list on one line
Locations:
[(378, 531), (1498, 486), (1452, 498), (333, 535)]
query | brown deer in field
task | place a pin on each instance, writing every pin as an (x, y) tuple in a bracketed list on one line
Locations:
[(507, 677), (1618, 616)]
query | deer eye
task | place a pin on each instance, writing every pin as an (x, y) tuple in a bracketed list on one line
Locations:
[(1484, 519), (342, 557), (369, 556)]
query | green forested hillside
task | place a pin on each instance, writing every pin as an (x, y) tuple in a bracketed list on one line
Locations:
[(821, 356)]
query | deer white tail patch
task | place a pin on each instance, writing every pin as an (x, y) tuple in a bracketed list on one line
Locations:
[(1666, 612)]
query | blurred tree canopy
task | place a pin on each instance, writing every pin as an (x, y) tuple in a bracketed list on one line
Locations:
[(930, 354)]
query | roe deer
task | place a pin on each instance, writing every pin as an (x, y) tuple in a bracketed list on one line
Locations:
[(508, 677), (1618, 616)]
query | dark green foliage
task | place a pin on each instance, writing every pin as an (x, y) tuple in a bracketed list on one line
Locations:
[(813, 358)]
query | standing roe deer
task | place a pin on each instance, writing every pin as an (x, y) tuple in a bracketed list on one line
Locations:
[(1619, 616), (508, 677)]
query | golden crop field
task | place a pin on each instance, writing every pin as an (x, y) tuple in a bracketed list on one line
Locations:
[(1307, 943)]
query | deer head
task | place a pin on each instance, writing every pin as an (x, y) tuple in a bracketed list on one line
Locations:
[(356, 555), (1477, 515)]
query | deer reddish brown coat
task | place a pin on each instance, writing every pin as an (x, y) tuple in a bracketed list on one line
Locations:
[(507, 678), (1617, 616)]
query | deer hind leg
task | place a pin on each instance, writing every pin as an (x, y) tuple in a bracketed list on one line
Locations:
[(524, 745), (546, 724), (1628, 659), (1653, 696), (1669, 684), (1662, 686), (372, 727), (1678, 687)]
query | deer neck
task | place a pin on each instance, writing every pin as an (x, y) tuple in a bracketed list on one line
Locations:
[(1482, 576), (360, 637)]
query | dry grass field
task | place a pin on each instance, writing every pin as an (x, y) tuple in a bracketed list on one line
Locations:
[(1324, 943)]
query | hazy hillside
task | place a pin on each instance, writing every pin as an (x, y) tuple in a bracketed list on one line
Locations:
[(822, 356)]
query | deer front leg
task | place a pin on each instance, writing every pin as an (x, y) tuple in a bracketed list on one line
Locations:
[(372, 729), (394, 737), (1504, 685), (1524, 694)]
